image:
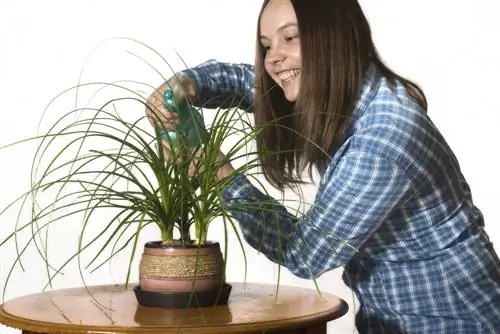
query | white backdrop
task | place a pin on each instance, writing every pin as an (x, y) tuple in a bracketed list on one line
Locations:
[(450, 47)]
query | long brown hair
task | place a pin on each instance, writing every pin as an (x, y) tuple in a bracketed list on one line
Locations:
[(336, 49)]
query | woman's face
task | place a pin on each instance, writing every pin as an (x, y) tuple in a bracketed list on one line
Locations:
[(279, 35)]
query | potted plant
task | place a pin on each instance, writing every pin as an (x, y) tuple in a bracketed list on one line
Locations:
[(93, 160), (105, 172)]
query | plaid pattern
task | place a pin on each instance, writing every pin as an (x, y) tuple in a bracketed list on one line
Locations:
[(393, 208), (223, 85)]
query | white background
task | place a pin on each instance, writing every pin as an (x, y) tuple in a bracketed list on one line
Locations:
[(451, 48)]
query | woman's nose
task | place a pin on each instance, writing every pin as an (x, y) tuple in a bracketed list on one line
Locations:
[(275, 54)]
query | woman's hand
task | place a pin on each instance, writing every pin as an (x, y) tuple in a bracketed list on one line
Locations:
[(183, 87), (156, 111)]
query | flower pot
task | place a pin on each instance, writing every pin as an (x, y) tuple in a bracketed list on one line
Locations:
[(180, 276)]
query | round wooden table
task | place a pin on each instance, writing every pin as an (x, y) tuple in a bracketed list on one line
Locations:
[(252, 308)]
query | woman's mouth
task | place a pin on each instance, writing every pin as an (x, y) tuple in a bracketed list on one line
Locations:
[(288, 75)]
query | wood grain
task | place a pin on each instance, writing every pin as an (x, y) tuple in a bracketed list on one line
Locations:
[(252, 308)]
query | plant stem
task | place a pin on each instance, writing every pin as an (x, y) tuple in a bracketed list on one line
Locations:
[(167, 235), (184, 229)]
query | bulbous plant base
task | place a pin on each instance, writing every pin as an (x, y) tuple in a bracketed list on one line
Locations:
[(193, 299), (182, 276)]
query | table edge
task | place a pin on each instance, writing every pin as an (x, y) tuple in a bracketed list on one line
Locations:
[(12, 321)]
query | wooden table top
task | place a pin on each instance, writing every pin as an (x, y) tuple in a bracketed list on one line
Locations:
[(114, 308)]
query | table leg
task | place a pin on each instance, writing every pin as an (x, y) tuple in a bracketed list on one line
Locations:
[(311, 329)]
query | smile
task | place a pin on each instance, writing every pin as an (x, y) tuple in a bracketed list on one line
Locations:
[(289, 75)]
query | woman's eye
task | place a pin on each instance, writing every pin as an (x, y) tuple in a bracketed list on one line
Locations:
[(291, 38)]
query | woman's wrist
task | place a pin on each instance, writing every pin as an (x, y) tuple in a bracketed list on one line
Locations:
[(184, 82), (226, 169)]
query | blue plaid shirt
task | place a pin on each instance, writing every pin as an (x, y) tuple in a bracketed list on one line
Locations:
[(393, 208)]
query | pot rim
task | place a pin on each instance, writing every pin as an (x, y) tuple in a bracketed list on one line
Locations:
[(158, 244)]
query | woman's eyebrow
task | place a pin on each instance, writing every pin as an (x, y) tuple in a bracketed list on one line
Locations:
[(283, 27)]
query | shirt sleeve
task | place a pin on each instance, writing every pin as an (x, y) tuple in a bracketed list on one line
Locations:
[(223, 85), (352, 202)]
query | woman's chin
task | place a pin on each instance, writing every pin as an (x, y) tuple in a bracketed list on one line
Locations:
[(291, 90), (291, 96)]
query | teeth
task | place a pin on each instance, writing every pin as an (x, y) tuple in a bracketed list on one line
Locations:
[(286, 76)]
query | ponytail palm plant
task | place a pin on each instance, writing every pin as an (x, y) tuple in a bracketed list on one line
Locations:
[(114, 178)]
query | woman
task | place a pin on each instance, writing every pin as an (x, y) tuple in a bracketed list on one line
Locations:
[(392, 206)]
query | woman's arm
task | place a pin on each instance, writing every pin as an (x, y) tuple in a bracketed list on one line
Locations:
[(353, 201), (224, 85)]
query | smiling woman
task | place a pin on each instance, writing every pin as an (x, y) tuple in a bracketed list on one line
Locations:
[(393, 206)]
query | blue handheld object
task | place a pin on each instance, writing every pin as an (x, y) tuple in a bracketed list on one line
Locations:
[(191, 125)]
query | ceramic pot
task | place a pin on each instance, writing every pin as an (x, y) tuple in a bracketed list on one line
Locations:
[(177, 275)]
